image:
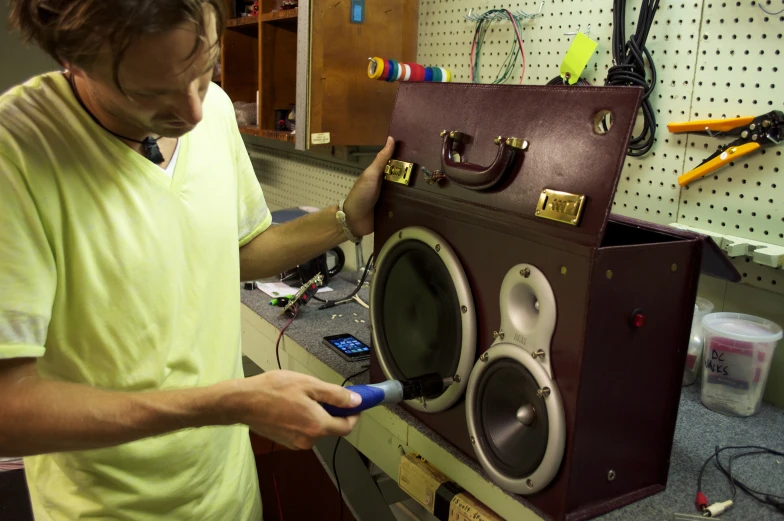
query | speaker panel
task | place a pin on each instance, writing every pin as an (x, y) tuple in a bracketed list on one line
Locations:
[(514, 409), (422, 311)]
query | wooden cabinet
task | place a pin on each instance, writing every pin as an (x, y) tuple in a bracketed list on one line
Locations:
[(315, 57)]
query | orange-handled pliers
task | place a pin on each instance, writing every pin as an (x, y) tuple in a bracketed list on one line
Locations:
[(754, 133)]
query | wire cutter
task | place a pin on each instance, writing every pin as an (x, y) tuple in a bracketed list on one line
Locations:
[(753, 134)]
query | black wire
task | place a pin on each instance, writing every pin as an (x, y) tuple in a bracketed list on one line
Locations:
[(560, 81), (767, 498), (331, 303), (337, 443), (629, 68)]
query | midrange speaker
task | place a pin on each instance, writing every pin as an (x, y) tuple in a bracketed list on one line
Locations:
[(513, 407), (422, 312)]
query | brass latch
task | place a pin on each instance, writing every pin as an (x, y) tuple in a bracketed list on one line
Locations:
[(398, 171), (561, 206)]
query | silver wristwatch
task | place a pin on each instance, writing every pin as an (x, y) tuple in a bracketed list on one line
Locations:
[(341, 216)]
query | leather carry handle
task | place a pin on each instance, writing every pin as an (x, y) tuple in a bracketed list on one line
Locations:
[(477, 177)]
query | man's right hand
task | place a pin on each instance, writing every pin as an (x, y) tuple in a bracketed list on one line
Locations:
[(285, 407)]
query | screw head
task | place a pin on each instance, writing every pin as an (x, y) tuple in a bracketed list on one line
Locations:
[(563, 270), (744, 134), (473, 440), (609, 274), (400, 235), (752, 126), (464, 309), (754, 137), (391, 215), (611, 475), (674, 267), (424, 405), (544, 392), (484, 357), (438, 247), (525, 273), (495, 334), (529, 483), (538, 354), (456, 378)]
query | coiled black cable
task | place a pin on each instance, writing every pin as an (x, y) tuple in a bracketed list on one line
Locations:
[(629, 68)]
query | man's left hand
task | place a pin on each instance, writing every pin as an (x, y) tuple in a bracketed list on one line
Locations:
[(362, 199)]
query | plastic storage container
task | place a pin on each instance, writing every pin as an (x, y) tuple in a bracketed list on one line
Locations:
[(737, 355), (696, 341)]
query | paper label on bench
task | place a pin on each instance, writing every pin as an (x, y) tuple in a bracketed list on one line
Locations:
[(420, 481), (465, 507), (320, 139)]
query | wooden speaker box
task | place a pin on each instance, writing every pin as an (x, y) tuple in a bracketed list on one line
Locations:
[(498, 263)]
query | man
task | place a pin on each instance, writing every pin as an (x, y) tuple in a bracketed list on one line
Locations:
[(129, 213)]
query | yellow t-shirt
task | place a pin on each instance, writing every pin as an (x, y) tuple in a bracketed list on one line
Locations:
[(117, 276)]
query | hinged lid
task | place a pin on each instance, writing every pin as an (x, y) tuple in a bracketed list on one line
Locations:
[(544, 153)]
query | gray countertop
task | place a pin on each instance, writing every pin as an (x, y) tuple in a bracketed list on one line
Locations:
[(697, 432)]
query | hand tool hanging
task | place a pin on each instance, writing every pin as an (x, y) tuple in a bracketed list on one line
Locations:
[(753, 134)]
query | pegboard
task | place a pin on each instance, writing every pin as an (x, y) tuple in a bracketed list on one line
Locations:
[(291, 179), (713, 59)]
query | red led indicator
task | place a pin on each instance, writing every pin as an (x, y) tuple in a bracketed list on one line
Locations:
[(638, 320)]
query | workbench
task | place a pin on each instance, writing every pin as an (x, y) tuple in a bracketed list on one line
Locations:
[(384, 433)]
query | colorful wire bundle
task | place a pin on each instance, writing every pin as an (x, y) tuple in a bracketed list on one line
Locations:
[(390, 70), (507, 67)]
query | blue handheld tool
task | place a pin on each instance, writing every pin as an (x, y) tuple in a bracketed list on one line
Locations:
[(393, 391)]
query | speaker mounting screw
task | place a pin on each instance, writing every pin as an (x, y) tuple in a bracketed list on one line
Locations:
[(424, 405), (544, 392), (538, 354), (498, 334), (438, 247), (611, 475), (464, 309), (525, 273), (484, 357), (529, 483), (473, 440), (391, 215), (400, 235), (456, 378)]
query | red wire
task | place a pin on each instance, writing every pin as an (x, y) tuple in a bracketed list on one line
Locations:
[(280, 336), (275, 481), (519, 41)]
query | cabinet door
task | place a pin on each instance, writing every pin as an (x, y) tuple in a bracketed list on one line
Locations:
[(344, 102)]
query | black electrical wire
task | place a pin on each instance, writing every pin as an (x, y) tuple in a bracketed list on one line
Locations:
[(629, 68), (332, 303), (337, 443), (560, 81), (765, 498)]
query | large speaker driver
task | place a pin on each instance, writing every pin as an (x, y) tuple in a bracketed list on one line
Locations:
[(422, 312), (513, 407)]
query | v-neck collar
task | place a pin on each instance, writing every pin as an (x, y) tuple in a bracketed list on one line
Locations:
[(117, 146)]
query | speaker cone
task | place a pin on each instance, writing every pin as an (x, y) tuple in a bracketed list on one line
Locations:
[(512, 418), (422, 312)]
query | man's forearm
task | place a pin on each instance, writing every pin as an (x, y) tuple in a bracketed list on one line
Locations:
[(40, 416), (284, 246)]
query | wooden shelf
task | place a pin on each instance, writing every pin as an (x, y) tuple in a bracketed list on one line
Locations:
[(279, 135), (280, 16), (245, 24)]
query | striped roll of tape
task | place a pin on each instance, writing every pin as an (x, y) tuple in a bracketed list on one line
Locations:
[(406, 72), (443, 75), (428, 74), (400, 71), (375, 68)]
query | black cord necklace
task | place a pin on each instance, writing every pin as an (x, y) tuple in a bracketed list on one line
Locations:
[(150, 148)]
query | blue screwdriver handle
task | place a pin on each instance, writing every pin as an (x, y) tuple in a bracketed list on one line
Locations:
[(371, 396)]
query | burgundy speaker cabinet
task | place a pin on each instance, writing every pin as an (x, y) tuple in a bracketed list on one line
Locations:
[(498, 263)]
